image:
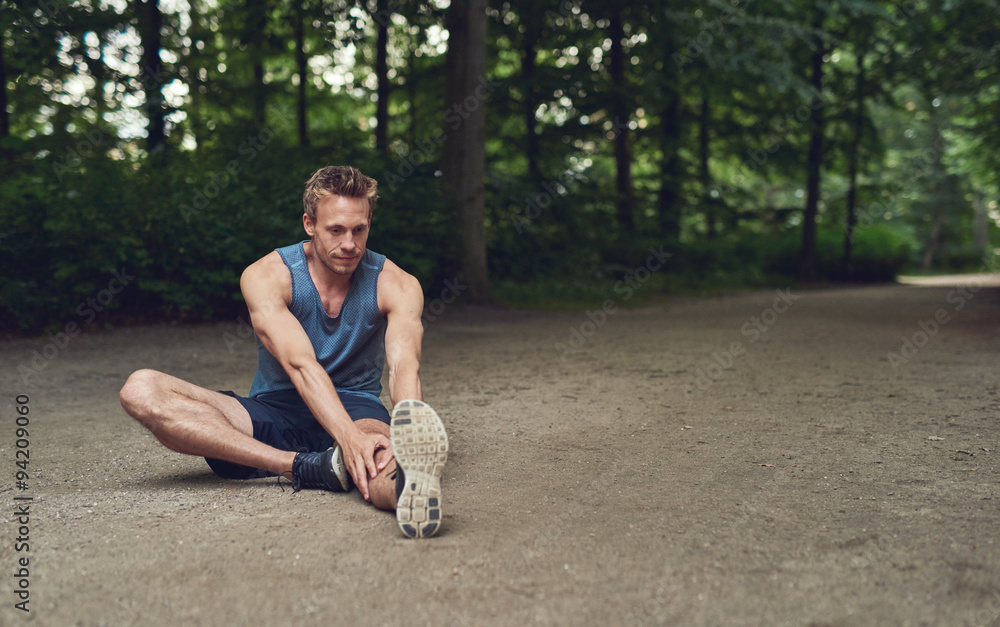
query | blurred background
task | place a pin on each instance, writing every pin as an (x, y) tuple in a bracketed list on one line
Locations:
[(533, 153)]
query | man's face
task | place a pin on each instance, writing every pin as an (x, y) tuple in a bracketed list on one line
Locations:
[(340, 232)]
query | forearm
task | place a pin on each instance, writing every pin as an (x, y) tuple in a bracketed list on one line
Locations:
[(403, 334), (404, 381), (314, 386)]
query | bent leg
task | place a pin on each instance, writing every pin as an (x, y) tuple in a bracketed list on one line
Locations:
[(192, 420), (383, 487)]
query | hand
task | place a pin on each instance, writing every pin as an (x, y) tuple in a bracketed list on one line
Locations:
[(382, 459), (359, 457)]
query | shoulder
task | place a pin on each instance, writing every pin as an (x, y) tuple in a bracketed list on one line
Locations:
[(398, 289), (267, 274)]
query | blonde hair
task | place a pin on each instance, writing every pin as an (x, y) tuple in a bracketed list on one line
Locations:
[(339, 180)]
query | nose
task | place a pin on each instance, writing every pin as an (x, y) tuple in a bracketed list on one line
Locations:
[(347, 244)]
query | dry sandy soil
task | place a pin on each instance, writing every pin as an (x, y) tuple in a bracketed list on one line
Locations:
[(815, 480)]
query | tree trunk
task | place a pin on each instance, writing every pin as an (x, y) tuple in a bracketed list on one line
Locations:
[(411, 91), (852, 172), (301, 63), (5, 152), (670, 128), (464, 161), (4, 114), (620, 114), (382, 15), (411, 83), (150, 22), (256, 24), (980, 224), (807, 264), (529, 54), (937, 233), (670, 140), (942, 196), (705, 174), (197, 33)]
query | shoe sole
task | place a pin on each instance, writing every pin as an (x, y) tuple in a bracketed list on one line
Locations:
[(420, 445), (340, 470)]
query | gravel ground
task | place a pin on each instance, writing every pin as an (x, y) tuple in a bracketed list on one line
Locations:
[(823, 457)]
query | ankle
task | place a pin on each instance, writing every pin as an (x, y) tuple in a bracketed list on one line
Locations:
[(283, 465)]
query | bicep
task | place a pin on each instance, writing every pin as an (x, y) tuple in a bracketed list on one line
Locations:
[(283, 336), (278, 329)]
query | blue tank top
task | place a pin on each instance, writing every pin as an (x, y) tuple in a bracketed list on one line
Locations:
[(350, 346)]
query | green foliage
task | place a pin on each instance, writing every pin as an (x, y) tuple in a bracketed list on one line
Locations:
[(185, 231), (719, 118), (880, 253)]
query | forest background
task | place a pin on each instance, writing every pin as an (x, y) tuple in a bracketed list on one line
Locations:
[(528, 152)]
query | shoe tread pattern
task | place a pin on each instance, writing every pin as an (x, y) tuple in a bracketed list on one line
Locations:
[(420, 444)]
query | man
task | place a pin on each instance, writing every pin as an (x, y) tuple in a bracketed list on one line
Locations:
[(328, 314)]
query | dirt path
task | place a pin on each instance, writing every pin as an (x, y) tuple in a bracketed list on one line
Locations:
[(656, 475)]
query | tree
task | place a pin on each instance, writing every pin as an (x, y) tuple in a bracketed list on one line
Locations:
[(854, 154), (807, 264), (942, 197), (529, 56), (867, 31), (757, 123), (464, 160), (670, 136), (4, 113), (302, 68), (254, 38), (624, 198), (150, 22), (382, 17)]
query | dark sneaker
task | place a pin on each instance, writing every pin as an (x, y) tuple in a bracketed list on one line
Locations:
[(324, 470), (420, 445)]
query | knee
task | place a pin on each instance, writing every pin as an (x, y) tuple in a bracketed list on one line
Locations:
[(138, 394)]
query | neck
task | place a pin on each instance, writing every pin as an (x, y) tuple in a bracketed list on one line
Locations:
[(322, 274)]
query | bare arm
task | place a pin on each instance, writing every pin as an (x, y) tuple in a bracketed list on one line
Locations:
[(402, 300), (267, 289)]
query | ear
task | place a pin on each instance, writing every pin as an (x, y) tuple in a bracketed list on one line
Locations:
[(309, 224)]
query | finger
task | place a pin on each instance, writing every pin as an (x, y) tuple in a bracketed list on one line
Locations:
[(362, 482), (360, 476), (386, 458), (370, 464)]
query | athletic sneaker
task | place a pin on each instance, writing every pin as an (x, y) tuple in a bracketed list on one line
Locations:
[(420, 445), (324, 470)]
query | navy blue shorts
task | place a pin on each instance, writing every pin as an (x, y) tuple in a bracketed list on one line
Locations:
[(282, 419)]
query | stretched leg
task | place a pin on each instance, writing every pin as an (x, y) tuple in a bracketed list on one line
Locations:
[(195, 421)]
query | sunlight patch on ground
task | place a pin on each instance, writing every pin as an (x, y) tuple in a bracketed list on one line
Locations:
[(952, 280)]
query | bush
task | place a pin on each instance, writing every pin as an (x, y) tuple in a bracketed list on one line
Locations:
[(879, 253), (185, 228)]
